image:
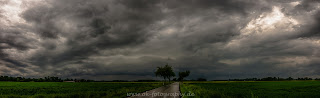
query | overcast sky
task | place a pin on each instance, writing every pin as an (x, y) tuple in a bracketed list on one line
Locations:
[(128, 39)]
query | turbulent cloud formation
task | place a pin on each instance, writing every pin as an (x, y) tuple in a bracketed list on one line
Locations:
[(120, 39)]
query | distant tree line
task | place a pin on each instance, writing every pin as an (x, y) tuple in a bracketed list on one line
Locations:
[(45, 79), (273, 79), (198, 79)]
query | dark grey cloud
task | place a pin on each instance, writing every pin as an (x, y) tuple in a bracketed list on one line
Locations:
[(99, 25), (118, 39), (313, 30), (307, 5)]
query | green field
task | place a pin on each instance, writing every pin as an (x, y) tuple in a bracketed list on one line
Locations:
[(253, 89), (72, 90)]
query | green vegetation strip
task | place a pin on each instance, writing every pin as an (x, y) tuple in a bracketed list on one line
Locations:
[(261, 89), (73, 90)]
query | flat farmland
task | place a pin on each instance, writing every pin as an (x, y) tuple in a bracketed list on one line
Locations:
[(73, 90), (252, 89)]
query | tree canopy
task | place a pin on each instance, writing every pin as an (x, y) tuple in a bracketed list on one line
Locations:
[(183, 75), (166, 72)]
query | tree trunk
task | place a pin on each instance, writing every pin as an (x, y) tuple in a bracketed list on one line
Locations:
[(164, 82)]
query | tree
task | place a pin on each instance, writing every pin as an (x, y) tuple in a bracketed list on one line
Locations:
[(183, 75), (290, 78), (166, 72), (174, 79)]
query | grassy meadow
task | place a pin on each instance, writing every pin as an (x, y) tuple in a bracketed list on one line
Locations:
[(252, 89), (73, 90)]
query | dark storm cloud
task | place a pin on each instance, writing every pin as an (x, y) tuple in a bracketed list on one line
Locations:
[(13, 38), (13, 62), (212, 38), (313, 30), (105, 24), (225, 6), (307, 5)]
